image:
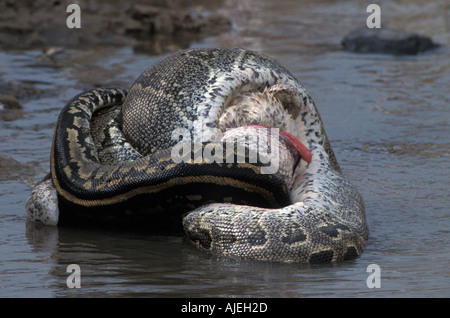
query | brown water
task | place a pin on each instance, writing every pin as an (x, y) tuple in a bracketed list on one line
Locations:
[(388, 119)]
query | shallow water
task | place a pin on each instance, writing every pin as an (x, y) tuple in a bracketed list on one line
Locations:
[(388, 120)]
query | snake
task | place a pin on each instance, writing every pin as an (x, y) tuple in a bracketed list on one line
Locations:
[(115, 155)]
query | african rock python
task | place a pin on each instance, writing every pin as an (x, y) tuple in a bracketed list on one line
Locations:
[(119, 165)]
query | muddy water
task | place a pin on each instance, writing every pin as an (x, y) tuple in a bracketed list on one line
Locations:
[(387, 117)]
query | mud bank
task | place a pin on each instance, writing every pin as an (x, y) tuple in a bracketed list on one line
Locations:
[(155, 27), (151, 26)]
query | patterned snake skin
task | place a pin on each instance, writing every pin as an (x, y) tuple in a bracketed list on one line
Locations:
[(196, 90)]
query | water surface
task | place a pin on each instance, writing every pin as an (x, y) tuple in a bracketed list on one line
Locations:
[(388, 120)]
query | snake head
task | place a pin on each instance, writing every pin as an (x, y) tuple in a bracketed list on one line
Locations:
[(298, 149), (303, 151)]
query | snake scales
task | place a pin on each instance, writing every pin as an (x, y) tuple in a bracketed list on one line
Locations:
[(111, 159)]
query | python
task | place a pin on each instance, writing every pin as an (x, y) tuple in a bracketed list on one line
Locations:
[(228, 209)]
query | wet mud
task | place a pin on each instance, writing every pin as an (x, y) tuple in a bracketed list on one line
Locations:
[(150, 26)]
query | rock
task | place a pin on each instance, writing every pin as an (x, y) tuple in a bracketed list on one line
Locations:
[(10, 108), (11, 169), (20, 89), (9, 102), (387, 41)]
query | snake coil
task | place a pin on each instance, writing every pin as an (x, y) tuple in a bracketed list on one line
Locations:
[(111, 158)]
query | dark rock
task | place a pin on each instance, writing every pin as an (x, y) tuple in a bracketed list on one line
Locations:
[(387, 41), (11, 169), (23, 90), (9, 102), (10, 108)]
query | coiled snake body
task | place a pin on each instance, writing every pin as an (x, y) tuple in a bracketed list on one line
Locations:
[(118, 162)]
